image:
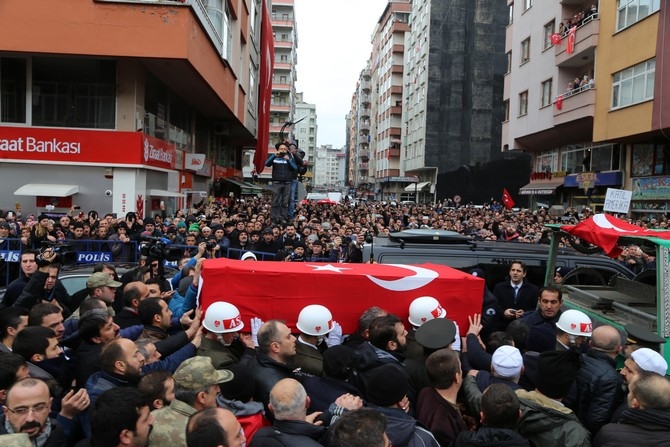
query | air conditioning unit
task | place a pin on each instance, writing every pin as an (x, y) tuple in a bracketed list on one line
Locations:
[(221, 128)]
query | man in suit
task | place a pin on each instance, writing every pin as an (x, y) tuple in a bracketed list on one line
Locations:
[(516, 296)]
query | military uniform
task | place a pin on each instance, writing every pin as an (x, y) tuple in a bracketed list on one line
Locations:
[(308, 359), (15, 440), (170, 424), (222, 356)]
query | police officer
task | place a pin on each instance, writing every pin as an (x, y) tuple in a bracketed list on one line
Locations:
[(283, 166)]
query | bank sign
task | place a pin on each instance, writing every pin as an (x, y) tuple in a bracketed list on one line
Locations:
[(85, 146)]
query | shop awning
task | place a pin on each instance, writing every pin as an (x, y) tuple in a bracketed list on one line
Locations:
[(246, 189), (416, 187), (540, 189), (197, 193), (164, 193), (47, 190)]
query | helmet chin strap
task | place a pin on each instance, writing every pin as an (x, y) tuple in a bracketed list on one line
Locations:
[(220, 339)]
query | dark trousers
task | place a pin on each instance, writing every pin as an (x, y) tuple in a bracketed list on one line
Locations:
[(280, 197)]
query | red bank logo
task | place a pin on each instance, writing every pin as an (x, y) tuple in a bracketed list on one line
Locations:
[(155, 153), (196, 162)]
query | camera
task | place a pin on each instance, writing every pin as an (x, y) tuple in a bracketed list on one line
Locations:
[(108, 193), (159, 248), (65, 255), (210, 244)]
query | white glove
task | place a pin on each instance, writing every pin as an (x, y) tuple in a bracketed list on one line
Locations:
[(256, 324), (335, 335), (456, 345)]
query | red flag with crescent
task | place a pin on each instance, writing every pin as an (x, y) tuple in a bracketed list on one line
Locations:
[(555, 39), (605, 230), (264, 90), (507, 199), (559, 102), (570, 47), (281, 289)]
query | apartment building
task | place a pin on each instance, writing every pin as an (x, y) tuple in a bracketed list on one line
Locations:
[(304, 132), (117, 106), (328, 167), (583, 96), (361, 166)]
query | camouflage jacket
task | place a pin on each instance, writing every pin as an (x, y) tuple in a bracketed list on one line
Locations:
[(170, 424)]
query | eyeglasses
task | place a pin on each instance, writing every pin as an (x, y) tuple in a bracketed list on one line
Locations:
[(23, 411)]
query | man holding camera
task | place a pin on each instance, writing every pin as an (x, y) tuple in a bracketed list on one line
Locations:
[(283, 167)]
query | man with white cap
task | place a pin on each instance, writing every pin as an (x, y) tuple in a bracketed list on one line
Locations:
[(223, 343), (421, 310), (506, 368)]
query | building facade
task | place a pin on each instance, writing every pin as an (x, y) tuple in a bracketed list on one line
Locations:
[(327, 167), (130, 107), (304, 132)]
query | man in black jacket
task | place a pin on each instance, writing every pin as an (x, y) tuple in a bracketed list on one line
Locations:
[(276, 349), (515, 296)]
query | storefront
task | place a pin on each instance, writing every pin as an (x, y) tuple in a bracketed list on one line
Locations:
[(543, 187), (651, 195), (106, 171), (588, 189)]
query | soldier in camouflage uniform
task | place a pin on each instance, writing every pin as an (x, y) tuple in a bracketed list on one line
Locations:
[(195, 388), (15, 440)]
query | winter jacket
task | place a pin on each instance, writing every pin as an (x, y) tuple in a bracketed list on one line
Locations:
[(282, 169), (368, 357), (599, 390), (250, 415), (490, 437), (289, 434), (323, 391), (403, 430), (547, 423), (440, 416), (649, 428), (267, 372)]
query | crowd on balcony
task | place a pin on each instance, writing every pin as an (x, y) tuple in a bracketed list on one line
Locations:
[(578, 19), (578, 85)]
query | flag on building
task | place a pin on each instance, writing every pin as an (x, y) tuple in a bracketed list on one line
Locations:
[(570, 48), (559, 102), (507, 199), (264, 90)]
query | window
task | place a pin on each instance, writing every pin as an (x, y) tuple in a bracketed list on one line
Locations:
[(506, 106), (548, 31), (527, 4), (511, 14), (634, 84), (547, 161), (632, 11), (12, 90), (509, 62), (525, 51), (220, 17), (546, 93), (74, 92), (523, 103)]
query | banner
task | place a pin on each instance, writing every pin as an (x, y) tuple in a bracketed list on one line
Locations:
[(264, 90), (280, 290), (194, 162)]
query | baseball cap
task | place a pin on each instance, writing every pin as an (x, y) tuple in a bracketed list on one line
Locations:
[(650, 361), (267, 231), (198, 372), (507, 361), (101, 279)]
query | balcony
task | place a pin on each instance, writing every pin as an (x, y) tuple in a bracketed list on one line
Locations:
[(363, 167), (586, 41), (365, 85), (365, 99), (364, 126), (279, 107), (282, 66), (364, 155), (282, 22), (576, 104), (283, 44), (365, 112), (281, 87)]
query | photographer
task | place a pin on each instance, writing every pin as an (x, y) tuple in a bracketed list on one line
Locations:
[(283, 167), (44, 286)]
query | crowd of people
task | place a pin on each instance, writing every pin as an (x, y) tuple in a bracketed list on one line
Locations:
[(133, 360)]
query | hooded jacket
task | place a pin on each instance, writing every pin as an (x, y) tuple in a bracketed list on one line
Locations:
[(636, 427), (547, 423), (403, 430)]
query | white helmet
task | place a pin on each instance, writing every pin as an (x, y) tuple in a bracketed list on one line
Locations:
[(315, 320), (425, 308), (575, 322), (222, 317)]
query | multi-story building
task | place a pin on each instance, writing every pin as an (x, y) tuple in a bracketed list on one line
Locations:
[(284, 75), (583, 97), (360, 163), (327, 167), (388, 47), (117, 106), (304, 132)]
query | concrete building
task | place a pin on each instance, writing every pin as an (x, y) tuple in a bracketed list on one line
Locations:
[(360, 165), (584, 98), (305, 131), (327, 166), (117, 106)]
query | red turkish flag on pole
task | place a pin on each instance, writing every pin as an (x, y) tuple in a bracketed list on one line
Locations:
[(281, 289), (559, 102), (507, 199), (605, 230), (570, 47), (555, 39), (264, 90)]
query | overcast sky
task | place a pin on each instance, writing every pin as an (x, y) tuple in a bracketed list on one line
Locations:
[(333, 47)]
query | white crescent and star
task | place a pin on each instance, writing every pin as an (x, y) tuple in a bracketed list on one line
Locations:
[(328, 268), (422, 278), (602, 221)]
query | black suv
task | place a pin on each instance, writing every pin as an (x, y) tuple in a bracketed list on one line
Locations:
[(464, 253)]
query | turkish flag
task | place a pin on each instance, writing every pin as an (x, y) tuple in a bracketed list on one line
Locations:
[(280, 290), (559, 102), (507, 199), (555, 39), (570, 48), (264, 90), (605, 230)]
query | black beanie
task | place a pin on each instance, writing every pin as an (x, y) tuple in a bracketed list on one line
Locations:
[(556, 372), (387, 385), (337, 361), (242, 387)]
